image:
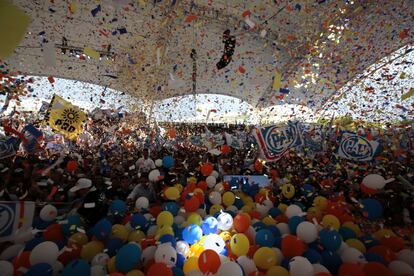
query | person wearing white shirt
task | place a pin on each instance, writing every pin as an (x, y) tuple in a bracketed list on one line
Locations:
[(145, 164)]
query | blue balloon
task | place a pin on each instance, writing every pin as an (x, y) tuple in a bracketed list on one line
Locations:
[(139, 222), (209, 226), (330, 239), (113, 246), (180, 261), (264, 237), (118, 207), (192, 233), (294, 222), (275, 231), (274, 212), (259, 225), (313, 256), (168, 238), (238, 203), (373, 257), (32, 243), (102, 229), (72, 225), (307, 190), (331, 261), (77, 267), (128, 257), (43, 269), (177, 272), (285, 263), (372, 209), (171, 207), (369, 241), (168, 161), (347, 233)]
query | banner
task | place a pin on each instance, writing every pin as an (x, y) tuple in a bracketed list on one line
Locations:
[(357, 147), (313, 137), (275, 141), (15, 216), (236, 181), (65, 118), (234, 141)]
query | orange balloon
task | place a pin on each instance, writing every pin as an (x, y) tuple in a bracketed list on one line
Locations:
[(159, 269), (292, 246), (395, 243), (172, 133), (71, 166), (241, 223), (348, 269), (206, 169), (209, 261)]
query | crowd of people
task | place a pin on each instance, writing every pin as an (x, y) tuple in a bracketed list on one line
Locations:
[(157, 189)]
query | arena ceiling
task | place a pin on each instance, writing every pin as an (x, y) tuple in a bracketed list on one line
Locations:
[(143, 47)]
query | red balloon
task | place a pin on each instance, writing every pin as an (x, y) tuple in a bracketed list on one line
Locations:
[(367, 190), (209, 261), (256, 273), (348, 269), (191, 204), (72, 165), (22, 260), (202, 185), (200, 197), (172, 133), (252, 249), (259, 198), (148, 242), (241, 223), (255, 214), (396, 244), (323, 274), (155, 210), (258, 166), (68, 256), (159, 269), (282, 218), (206, 169), (53, 233), (375, 268), (292, 246), (225, 149), (383, 251)]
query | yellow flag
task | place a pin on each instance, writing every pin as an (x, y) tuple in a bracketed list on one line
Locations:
[(65, 118), (277, 82), (13, 22)]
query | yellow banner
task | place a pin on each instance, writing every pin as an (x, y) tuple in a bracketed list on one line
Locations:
[(65, 118)]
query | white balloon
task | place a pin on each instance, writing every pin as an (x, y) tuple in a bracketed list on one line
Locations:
[(166, 254), (251, 232), (214, 242), (407, 256), (182, 248), (375, 181), (57, 268), (399, 267), (352, 255), (11, 251), (179, 220), (230, 268), (154, 175), (300, 266), (262, 209), (6, 268), (158, 163), (24, 235), (215, 197), (98, 270), (307, 232), (293, 210), (268, 203), (211, 181), (247, 264), (342, 248), (215, 174), (318, 268), (232, 208), (129, 227), (283, 228), (100, 259), (45, 252), (219, 187), (279, 255), (148, 254), (48, 213), (225, 221), (148, 216), (142, 203)]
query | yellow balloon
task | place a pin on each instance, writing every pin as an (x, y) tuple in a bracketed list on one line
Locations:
[(136, 236), (265, 258), (135, 272), (179, 187), (330, 221), (228, 198), (313, 212), (163, 230), (282, 207), (78, 238), (111, 265), (172, 193), (288, 190), (165, 218), (353, 226), (91, 249), (246, 209), (277, 270), (120, 231), (191, 264), (357, 244), (192, 179), (214, 209), (239, 244), (195, 250), (194, 218), (226, 236), (320, 202), (382, 233), (269, 220)]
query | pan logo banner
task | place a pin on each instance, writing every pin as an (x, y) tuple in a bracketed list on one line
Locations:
[(275, 141), (355, 147)]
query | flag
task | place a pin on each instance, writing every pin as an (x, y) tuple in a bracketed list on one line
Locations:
[(65, 118), (357, 147), (275, 141), (313, 137), (33, 136), (15, 216)]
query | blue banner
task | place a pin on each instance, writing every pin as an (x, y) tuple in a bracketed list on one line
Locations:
[(238, 181)]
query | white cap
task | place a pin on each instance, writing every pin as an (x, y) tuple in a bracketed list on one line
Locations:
[(82, 183)]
